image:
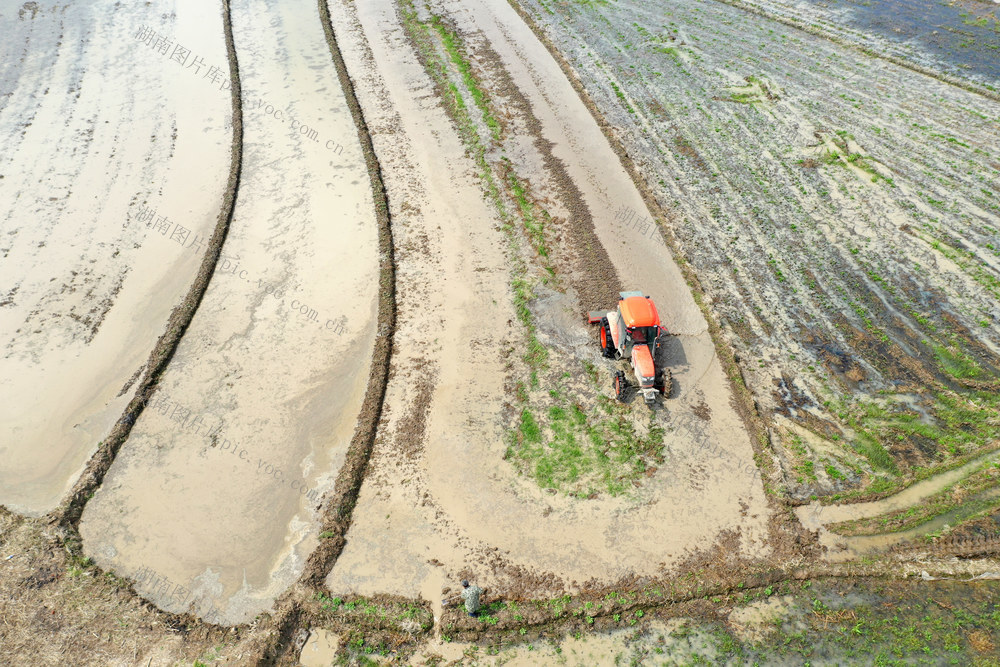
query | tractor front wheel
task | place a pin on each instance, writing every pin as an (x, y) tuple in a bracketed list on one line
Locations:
[(620, 385), (664, 382), (607, 342)]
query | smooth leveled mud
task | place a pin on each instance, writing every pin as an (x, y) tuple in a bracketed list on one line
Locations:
[(211, 507), (107, 200)]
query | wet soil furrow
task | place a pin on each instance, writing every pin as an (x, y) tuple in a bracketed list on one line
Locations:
[(68, 514), (976, 546), (589, 268)]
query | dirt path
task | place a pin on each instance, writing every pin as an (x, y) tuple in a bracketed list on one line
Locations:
[(86, 284), (211, 505), (439, 492)]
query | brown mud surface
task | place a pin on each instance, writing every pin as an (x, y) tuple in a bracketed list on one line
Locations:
[(86, 284), (254, 414), (439, 495), (458, 422)]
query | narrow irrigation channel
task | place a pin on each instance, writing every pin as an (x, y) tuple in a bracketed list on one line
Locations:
[(851, 531)]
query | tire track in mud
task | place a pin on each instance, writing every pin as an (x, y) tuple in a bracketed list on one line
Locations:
[(590, 270), (336, 520), (67, 515), (957, 546)]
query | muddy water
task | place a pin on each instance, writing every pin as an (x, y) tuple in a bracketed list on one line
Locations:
[(320, 650), (217, 489), (815, 514), (867, 544), (94, 126), (946, 32), (455, 506), (840, 547)]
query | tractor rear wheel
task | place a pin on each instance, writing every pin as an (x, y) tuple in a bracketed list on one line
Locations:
[(607, 342), (620, 385)]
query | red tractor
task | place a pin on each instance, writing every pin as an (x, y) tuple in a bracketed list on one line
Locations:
[(632, 333)]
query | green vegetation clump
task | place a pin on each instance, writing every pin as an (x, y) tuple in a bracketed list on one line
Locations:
[(956, 363), (371, 626), (936, 627), (960, 425), (453, 46), (533, 217), (621, 96), (583, 453), (831, 157), (833, 623)]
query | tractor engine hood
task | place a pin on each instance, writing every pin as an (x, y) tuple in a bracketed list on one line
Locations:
[(642, 362)]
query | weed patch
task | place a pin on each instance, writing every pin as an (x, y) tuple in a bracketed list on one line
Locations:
[(582, 452)]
